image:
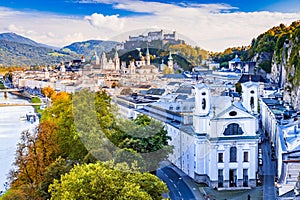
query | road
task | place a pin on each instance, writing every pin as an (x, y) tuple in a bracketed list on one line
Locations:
[(177, 186), (268, 171)]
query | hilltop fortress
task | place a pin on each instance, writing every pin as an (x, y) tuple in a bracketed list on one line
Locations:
[(160, 36)]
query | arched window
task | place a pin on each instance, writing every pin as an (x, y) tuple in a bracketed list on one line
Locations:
[(232, 154), (203, 104), (252, 102), (233, 129)]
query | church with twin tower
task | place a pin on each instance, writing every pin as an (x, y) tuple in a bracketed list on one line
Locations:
[(220, 148)]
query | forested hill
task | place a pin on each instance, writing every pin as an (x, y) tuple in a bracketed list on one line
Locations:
[(285, 62), (277, 51), (267, 47), (88, 48), (16, 50), (22, 40), (18, 54)]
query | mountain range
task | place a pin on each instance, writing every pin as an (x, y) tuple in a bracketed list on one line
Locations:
[(16, 50)]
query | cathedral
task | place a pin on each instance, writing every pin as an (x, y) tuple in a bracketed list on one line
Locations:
[(104, 64)]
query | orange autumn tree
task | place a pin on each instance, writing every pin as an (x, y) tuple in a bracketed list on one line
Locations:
[(48, 91), (35, 151)]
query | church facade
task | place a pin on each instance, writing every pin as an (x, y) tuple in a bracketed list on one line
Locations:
[(225, 139), (214, 143)]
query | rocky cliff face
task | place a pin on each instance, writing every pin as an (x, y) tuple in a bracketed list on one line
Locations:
[(277, 51), (286, 66)]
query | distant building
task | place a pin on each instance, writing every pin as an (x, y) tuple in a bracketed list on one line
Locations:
[(139, 72), (242, 66)]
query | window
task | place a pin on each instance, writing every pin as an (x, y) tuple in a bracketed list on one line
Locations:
[(232, 154), (203, 104), (252, 102), (233, 129), (246, 156), (233, 113), (220, 157)]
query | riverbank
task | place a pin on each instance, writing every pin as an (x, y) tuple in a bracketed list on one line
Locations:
[(22, 95), (10, 129)]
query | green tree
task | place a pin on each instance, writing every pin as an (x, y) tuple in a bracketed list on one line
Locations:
[(130, 157), (68, 140), (147, 137), (98, 181)]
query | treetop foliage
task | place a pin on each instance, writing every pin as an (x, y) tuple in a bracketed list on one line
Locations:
[(76, 132)]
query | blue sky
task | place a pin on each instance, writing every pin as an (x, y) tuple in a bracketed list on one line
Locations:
[(213, 25), (75, 7)]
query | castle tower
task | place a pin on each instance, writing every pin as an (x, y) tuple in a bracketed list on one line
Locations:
[(250, 96), (202, 108), (147, 56)]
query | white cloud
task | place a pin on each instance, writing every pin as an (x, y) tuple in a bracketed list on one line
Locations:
[(212, 26), (100, 21)]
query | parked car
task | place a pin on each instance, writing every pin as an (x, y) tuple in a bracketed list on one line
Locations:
[(259, 153), (260, 161)]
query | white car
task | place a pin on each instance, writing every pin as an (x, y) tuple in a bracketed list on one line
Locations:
[(260, 161), (259, 153)]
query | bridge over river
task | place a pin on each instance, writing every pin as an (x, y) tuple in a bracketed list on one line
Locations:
[(20, 104), (6, 90)]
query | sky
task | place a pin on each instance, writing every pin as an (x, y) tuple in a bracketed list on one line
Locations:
[(212, 25)]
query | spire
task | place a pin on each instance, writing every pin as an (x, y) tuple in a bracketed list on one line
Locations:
[(103, 55), (116, 54), (147, 52), (147, 56), (170, 56)]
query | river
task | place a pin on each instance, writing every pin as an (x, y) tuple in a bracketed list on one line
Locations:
[(10, 131)]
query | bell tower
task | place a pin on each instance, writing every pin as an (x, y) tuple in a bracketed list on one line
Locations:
[(250, 96), (117, 61), (202, 108)]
